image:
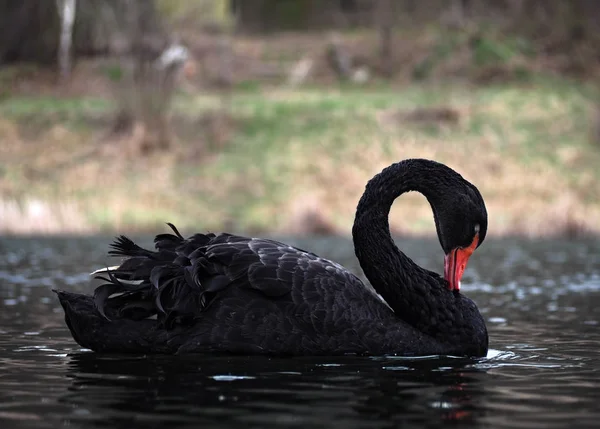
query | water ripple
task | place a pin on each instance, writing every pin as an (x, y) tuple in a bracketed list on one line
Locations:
[(542, 371)]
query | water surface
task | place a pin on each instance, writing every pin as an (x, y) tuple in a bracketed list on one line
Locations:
[(540, 300)]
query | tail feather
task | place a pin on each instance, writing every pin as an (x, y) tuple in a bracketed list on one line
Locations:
[(123, 246), (168, 241), (153, 282), (104, 270), (126, 335), (102, 293)]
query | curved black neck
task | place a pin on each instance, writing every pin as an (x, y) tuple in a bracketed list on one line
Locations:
[(400, 281), (417, 296)]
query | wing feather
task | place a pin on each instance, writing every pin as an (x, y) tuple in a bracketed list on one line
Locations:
[(184, 276)]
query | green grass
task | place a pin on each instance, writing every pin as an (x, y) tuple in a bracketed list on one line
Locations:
[(17, 107), (289, 153), (40, 113)]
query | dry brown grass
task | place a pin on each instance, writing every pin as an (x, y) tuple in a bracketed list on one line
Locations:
[(34, 216), (297, 162), (521, 199)]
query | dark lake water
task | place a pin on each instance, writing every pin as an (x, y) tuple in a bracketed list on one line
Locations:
[(541, 300)]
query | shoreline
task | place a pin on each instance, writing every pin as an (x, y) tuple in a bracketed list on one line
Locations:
[(296, 161)]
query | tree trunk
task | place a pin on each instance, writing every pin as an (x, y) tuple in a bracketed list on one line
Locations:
[(67, 17), (385, 21), (30, 30), (150, 66)]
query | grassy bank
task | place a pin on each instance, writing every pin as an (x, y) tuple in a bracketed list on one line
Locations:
[(298, 160)]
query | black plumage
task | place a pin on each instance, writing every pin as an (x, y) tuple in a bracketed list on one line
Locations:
[(227, 293)]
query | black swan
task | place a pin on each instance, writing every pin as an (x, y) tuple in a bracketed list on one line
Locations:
[(232, 294)]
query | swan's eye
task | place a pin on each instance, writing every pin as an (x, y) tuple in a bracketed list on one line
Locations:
[(476, 229)]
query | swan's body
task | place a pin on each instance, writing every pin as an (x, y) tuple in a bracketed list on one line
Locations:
[(226, 293)]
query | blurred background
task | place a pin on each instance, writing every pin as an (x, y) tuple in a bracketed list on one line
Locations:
[(269, 116)]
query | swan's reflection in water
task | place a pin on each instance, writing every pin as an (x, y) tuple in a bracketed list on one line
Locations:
[(263, 392)]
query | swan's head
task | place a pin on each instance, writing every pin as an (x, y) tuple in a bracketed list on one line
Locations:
[(461, 221)]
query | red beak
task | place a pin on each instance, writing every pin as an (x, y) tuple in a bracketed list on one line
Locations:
[(455, 263)]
